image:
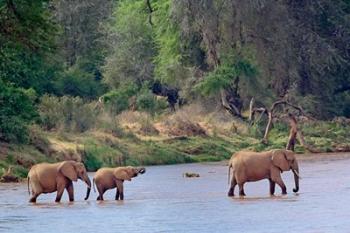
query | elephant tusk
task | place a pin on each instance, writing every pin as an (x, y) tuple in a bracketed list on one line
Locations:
[(296, 173), (142, 170)]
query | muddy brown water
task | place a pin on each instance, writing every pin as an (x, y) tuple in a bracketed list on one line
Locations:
[(162, 200)]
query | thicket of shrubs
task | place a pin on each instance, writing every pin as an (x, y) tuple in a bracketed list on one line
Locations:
[(71, 114), (16, 113)]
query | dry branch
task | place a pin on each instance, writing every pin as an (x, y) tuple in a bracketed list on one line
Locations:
[(148, 3), (271, 116)]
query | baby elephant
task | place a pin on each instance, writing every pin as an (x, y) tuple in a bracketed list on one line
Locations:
[(108, 178), (253, 166)]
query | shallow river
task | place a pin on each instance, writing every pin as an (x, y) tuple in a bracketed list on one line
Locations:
[(162, 200)]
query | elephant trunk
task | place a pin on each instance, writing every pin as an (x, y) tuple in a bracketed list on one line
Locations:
[(296, 178), (88, 183)]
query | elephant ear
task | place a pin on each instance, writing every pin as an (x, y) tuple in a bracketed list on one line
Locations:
[(122, 174), (290, 155), (279, 160), (68, 170)]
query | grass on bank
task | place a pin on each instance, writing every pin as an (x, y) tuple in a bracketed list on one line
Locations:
[(158, 141)]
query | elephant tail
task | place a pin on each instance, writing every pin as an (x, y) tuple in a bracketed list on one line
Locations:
[(93, 184), (229, 173), (28, 184)]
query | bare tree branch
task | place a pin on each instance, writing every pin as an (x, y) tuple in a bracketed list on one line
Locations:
[(148, 3), (271, 116)]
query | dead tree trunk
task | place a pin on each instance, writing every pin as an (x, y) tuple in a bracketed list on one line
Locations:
[(295, 134), (308, 147), (292, 133), (251, 113), (150, 9), (271, 116), (228, 103), (268, 128)]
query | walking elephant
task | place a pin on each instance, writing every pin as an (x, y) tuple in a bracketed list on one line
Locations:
[(253, 166), (48, 178), (109, 178)]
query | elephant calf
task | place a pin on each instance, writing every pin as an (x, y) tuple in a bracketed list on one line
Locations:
[(109, 178), (252, 166), (48, 178)]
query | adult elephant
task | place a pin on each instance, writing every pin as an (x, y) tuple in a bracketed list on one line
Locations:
[(109, 178), (48, 178), (253, 166)]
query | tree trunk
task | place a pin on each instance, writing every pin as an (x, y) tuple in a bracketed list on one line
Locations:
[(268, 128), (231, 108), (292, 133), (251, 113), (270, 114), (305, 145)]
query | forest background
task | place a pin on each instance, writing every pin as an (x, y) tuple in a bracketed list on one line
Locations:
[(115, 82)]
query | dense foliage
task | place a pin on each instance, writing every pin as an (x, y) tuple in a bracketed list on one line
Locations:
[(111, 52), (16, 112)]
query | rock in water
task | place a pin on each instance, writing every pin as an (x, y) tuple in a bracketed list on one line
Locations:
[(8, 177), (190, 175)]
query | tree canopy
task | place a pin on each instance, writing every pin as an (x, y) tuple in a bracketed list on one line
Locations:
[(228, 51)]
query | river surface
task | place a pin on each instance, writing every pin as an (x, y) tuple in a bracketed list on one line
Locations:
[(162, 200)]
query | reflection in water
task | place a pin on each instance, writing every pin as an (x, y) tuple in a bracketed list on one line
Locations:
[(163, 201)]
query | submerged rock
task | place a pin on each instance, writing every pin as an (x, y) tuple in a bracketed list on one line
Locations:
[(190, 175), (8, 177)]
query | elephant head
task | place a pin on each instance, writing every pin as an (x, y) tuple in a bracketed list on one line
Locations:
[(126, 173), (285, 160), (74, 171)]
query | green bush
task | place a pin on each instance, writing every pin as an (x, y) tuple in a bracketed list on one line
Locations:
[(77, 82), (68, 113), (17, 111), (224, 75), (117, 100), (91, 159), (146, 101)]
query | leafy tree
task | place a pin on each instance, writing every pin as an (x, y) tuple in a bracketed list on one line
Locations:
[(27, 36), (16, 112), (83, 44), (77, 82), (169, 68), (132, 44), (117, 100), (146, 101)]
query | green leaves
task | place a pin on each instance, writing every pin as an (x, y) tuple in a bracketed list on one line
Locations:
[(224, 75), (118, 99), (167, 38), (132, 45), (16, 112)]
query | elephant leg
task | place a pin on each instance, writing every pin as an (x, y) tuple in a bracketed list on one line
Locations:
[(70, 190), (276, 177), (33, 198), (232, 188), (241, 189), (59, 194), (120, 189), (101, 191), (280, 182), (272, 187), (117, 194), (61, 185)]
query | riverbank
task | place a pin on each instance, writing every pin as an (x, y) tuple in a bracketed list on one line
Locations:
[(138, 139)]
